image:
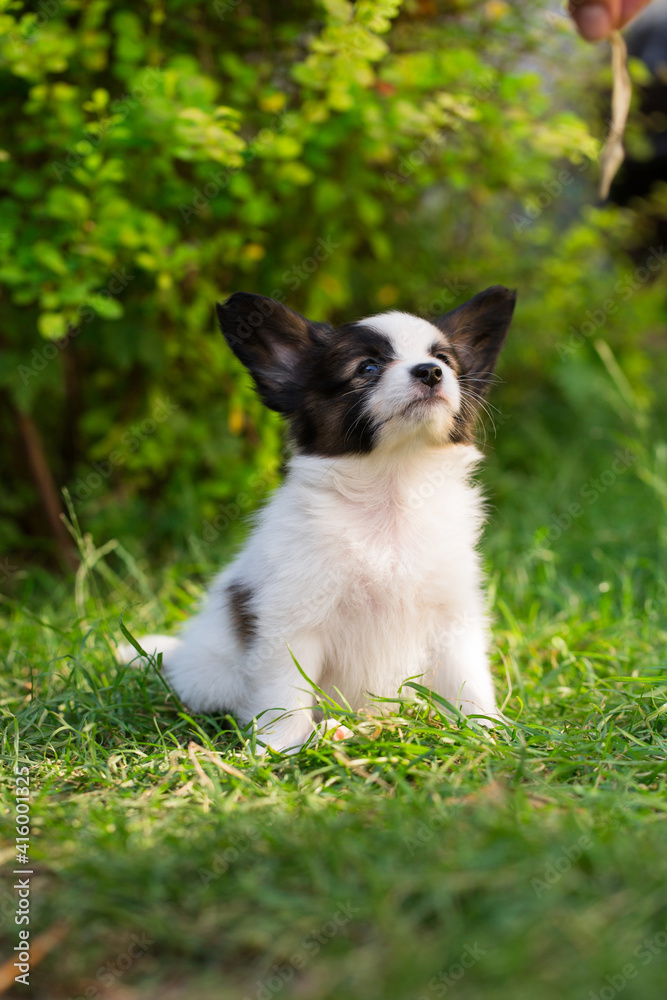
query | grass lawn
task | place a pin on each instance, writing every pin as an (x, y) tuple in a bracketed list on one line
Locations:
[(425, 857)]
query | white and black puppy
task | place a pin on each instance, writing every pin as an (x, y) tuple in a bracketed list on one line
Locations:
[(363, 566)]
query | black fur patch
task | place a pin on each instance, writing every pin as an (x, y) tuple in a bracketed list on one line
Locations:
[(475, 333), (311, 373), (307, 371), (331, 419), (273, 342), (244, 619)]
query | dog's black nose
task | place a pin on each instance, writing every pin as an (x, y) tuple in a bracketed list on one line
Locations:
[(428, 373)]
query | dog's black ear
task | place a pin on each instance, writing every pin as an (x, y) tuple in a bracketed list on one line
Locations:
[(477, 331), (273, 342)]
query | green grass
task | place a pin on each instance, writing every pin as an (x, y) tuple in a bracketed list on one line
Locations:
[(526, 863)]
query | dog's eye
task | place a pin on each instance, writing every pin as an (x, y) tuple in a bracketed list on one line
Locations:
[(444, 359), (369, 368)]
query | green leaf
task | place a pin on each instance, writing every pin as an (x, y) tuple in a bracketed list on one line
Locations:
[(49, 255), (52, 325), (105, 306)]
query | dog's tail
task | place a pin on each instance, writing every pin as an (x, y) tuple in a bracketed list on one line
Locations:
[(151, 645)]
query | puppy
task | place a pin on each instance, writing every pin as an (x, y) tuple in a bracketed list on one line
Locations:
[(362, 568)]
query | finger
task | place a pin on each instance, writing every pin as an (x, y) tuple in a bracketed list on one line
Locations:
[(595, 19), (629, 9)]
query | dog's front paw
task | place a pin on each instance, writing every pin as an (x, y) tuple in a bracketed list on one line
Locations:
[(290, 740), (337, 729)]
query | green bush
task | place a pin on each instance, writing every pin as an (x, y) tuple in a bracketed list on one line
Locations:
[(345, 157)]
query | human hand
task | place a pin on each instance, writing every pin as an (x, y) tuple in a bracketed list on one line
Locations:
[(596, 19)]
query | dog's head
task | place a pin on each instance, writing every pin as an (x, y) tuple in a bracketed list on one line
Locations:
[(385, 380)]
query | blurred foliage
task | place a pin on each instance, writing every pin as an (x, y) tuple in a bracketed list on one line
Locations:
[(156, 156)]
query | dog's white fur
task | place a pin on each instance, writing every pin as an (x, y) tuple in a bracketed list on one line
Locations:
[(364, 570)]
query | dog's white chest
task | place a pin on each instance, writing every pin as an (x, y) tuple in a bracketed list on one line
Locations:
[(396, 566)]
